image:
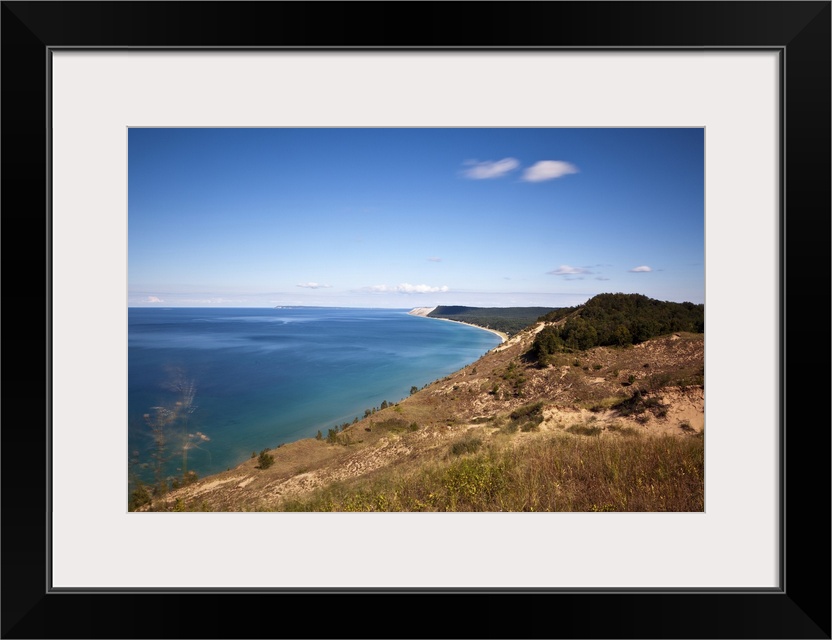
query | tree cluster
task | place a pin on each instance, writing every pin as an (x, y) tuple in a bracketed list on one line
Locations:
[(615, 319)]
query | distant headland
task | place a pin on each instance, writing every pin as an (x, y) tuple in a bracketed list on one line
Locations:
[(424, 312)]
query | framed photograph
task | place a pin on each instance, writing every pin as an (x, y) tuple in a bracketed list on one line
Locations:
[(330, 318), (82, 82)]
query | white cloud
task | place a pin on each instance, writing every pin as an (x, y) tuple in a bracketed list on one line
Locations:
[(406, 287), (489, 169), (642, 269), (566, 270), (314, 285), (548, 170), (153, 299), (434, 259), (420, 288)]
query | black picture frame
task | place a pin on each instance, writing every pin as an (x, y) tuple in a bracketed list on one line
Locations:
[(799, 31)]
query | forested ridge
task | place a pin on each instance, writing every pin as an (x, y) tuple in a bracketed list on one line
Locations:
[(509, 320), (614, 319)]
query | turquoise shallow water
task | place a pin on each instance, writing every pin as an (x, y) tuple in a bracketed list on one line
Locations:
[(247, 379)]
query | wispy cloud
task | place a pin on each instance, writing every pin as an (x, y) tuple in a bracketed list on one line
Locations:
[(566, 270), (314, 285), (548, 170), (190, 301), (434, 259), (153, 299), (642, 269), (601, 278), (489, 169), (406, 287)]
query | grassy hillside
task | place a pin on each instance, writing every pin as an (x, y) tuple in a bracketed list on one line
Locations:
[(610, 428), (552, 473)]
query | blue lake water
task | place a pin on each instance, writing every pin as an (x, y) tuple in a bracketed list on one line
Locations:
[(225, 382)]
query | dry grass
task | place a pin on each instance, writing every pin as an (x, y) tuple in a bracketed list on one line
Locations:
[(549, 473)]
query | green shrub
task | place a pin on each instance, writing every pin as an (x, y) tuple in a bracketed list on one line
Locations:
[(533, 409), (659, 381), (265, 460), (468, 444), (603, 404), (510, 427), (528, 417), (584, 430), (189, 477), (140, 496), (637, 404), (624, 431), (394, 425)]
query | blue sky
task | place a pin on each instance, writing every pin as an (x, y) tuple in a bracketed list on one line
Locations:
[(413, 217)]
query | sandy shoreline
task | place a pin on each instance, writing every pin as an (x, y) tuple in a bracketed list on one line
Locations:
[(423, 312)]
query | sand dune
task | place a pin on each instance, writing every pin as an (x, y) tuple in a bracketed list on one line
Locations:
[(421, 311)]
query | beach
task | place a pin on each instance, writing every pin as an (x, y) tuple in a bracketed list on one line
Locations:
[(423, 312)]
